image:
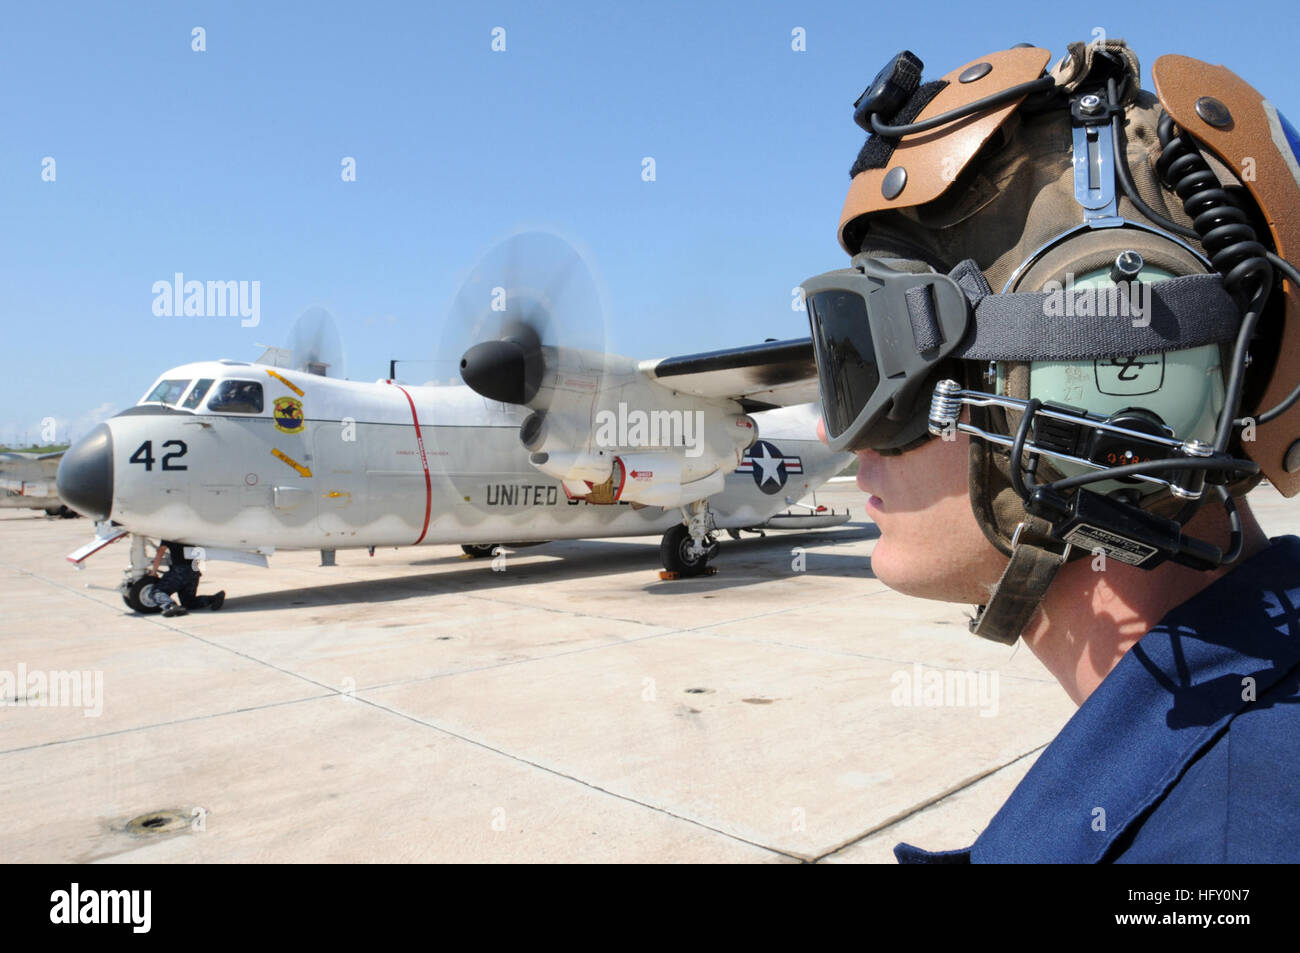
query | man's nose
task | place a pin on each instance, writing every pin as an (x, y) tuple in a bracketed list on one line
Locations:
[(85, 477), (821, 430)]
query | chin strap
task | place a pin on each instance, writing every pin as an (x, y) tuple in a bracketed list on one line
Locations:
[(1023, 584)]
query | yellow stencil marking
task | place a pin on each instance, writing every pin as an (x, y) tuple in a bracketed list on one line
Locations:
[(302, 471), (286, 382)]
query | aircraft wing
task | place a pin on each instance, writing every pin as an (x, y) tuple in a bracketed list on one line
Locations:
[(758, 377)]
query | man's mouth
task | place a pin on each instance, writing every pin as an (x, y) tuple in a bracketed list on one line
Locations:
[(872, 500)]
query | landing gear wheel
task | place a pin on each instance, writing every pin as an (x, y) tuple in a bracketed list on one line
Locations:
[(139, 596), (677, 552), (478, 550)]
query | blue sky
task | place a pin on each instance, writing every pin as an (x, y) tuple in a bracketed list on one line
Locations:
[(225, 164)]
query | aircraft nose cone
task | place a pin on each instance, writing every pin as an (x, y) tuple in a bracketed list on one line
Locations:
[(85, 477), (497, 370)]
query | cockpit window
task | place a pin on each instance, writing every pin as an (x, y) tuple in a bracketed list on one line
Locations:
[(237, 397), (167, 392), (196, 396)]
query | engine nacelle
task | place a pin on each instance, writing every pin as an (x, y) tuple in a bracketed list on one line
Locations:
[(649, 446), (663, 479)]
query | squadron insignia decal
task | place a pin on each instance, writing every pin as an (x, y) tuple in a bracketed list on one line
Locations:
[(288, 415)]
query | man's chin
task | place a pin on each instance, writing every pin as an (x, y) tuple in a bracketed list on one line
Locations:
[(902, 572), (914, 574)]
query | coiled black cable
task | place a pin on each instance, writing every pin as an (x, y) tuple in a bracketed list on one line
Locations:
[(1229, 240), (1220, 223), (1236, 252)]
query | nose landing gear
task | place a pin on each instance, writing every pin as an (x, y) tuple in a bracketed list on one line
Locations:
[(139, 595), (141, 577)]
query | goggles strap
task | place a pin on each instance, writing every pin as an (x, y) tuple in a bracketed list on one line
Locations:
[(1063, 323), (1023, 584)]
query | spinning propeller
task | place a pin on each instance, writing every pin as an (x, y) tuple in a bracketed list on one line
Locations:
[(527, 325), (527, 329), (313, 346)]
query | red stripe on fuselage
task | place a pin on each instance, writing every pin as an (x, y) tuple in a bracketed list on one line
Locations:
[(424, 461)]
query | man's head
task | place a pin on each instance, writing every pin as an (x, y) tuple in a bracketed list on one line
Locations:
[(1027, 286)]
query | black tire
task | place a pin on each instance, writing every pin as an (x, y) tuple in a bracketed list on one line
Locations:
[(675, 553), (478, 550), (133, 596)]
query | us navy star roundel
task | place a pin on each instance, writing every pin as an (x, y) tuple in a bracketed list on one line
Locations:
[(769, 466)]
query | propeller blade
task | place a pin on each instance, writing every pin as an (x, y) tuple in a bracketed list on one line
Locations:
[(316, 345)]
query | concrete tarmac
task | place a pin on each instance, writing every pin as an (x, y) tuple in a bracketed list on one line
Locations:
[(421, 706)]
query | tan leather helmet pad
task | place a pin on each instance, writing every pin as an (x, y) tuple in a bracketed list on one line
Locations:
[(1245, 142), (933, 160)]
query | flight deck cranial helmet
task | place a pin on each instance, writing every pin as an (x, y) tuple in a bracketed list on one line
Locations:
[(1088, 279)]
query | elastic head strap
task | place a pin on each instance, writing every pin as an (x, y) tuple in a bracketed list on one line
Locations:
[(1023, 584)]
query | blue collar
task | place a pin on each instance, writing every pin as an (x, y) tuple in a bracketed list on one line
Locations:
[(1166, 701)]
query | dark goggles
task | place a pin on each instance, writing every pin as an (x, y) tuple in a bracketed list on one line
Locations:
[(879, 335)]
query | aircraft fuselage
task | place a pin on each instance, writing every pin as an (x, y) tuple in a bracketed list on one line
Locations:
[(333, 464)]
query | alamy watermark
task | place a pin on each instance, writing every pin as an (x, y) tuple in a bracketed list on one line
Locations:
[(35, 688), (127, 907), (923, 687), (651, 428), (211, 299), (1126, 299)]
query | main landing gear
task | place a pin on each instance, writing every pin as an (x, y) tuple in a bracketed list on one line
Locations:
[(687, 548)]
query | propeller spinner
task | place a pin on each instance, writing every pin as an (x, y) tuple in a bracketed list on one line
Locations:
[(510, 369)]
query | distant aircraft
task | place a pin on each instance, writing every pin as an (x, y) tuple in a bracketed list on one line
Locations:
[(27, 482)]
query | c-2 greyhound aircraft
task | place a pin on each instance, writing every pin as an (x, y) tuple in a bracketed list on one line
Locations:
[(236, 460), (27, 482)]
